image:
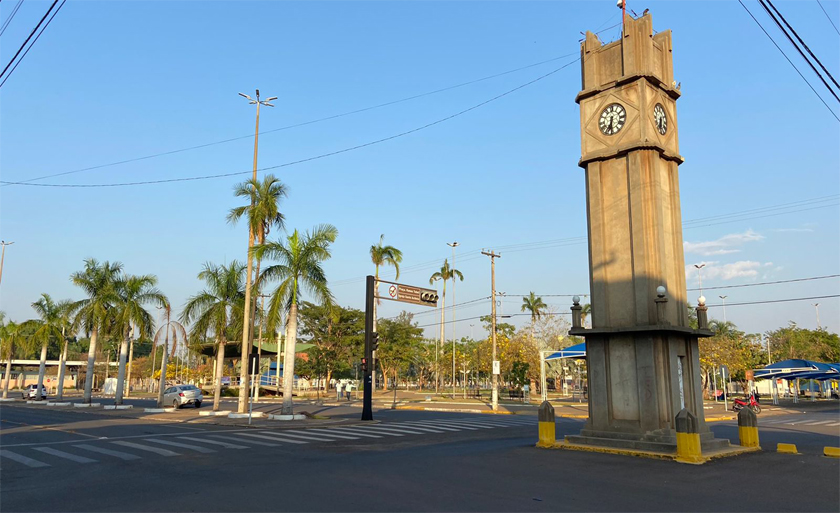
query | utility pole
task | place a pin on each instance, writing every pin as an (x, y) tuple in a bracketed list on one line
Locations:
[(495, 365), (247, 329), (723, 298), (453, 245), (3, 255), (817, 308)]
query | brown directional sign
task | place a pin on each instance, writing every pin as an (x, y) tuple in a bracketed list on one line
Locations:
[(409, 294)]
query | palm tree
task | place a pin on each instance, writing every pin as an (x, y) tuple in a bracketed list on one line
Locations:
[(299, 268), (585, 312), (97, 280), (11, 334), (66, 317), (51, 327), (534, 304), (133, 292), (445, 274), (262, 212), (213, 308), (380, 255), (723, 329)]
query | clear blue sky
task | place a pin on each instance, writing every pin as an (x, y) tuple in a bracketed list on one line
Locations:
[(110, 81)]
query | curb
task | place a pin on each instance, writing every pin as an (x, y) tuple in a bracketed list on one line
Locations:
[(86, 405), (456, 410), (254, 415), (158, 410), (296, 416), (58, 404), (831, 452), (118, 406), (213, 413), (36, 402), (786, 448)]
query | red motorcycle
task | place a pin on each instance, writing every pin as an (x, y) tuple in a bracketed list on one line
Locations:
[(749, 401)]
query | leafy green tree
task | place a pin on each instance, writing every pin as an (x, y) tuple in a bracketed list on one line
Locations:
[(380, 255), (212, 309), (12, 336), (503, 329), (397, 338), (585, 312), (794, 342), (338, 334), (299, 268), (262, 212), (97, 281), (51, 328), (133, 294)]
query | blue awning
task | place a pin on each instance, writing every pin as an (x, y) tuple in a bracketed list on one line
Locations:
[(799, 369), (576, 352)]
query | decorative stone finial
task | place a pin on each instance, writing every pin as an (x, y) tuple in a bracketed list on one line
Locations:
[(701, 301), (576, 300), (660, 291)]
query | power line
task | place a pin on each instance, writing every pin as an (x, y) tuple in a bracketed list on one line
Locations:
[(9, 19), (829, 17), (798, 49), (345, 150), (33, 43), (768, 283), (296, 125), (29, 37), (768, 301), (788, 59)]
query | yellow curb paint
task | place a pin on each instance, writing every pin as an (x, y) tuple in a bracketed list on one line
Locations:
[(831, 452), (688, 448), (748, 436), (787, 448), (547, 433), (718, 419)]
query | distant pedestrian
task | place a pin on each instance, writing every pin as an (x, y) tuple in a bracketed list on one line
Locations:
[(348, 389), (338, 387)]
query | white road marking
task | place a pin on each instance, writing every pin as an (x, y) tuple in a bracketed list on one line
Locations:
[(346, 430), (274, 438), (330, 433), (362, 432), (405, 430), (446, 424), (457, 423), (117, 454), (818, 423), (316, 437), (438, 427), (195, 448), (65, 455), (156, 450), (213, 442), (415, 427), (255, 442), (29, 462)]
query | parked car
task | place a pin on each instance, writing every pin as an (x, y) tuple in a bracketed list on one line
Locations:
[(32, 392), (180, 395)]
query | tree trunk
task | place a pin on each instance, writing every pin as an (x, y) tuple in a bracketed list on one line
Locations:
[(118, 396), (130, 359), (246, 338), (8, 375), (90, 367), (385, 371), (289, 361), (217, 383), (437, 350), (162, 381), (42, 368), (61, 364)]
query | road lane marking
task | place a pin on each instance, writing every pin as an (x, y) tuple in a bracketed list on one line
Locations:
[(117, 454), (392, 430), (273, 438), (255, 442), (346, 430), (424, 428), (316, 437), (818, 423), (29, 462), (448, 428), (450, 425), (195, 448), (361, 431), (463, 423), (156, 450), (214, 442), (325, 432), (65, 455)]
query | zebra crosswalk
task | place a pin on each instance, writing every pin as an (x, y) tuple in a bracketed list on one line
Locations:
[(808, 420), (208, 443)]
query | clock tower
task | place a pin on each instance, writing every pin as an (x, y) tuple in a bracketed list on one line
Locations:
[(642, 355)]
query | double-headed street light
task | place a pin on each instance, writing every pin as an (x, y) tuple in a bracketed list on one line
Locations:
[(700, 275), (723, 298)]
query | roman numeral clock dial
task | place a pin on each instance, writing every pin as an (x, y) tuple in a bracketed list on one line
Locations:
[(612, 119), (660, 118)]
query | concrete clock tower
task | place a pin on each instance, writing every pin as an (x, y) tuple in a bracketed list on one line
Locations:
[(643, 365)]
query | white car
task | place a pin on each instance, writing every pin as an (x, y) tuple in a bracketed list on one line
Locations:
[(32, 392), (179, 395)]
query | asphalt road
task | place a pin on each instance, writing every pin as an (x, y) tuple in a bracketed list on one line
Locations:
[(59, 460)]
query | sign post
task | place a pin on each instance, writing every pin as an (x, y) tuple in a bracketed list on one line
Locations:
[(396, 292), (254, 363)]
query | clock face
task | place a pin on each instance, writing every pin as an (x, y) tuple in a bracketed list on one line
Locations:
[(660, 118), (612, 119)]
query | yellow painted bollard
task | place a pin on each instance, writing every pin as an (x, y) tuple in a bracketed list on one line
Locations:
[(548, 435), (688, 439), (748, 428)]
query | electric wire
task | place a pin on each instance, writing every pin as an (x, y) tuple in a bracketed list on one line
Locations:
[(28, 38), (829, 17), (33, 43), (767, 283), (9, 18), (798, 49), (788, 59), (296, 125)]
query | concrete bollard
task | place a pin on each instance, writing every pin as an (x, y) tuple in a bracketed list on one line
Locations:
[(548, 437), (748, 428), (688, 439)]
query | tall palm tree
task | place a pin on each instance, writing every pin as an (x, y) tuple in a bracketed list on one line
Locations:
[(11, 335), (133, 293), (722, 328), (262, 212), (299, 268), (212, 310), (534, 304), (380, 255), (445, 274), (66, 317), (97, 280), (50, 328)]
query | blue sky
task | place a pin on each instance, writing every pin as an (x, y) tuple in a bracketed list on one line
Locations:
[(110, 81)]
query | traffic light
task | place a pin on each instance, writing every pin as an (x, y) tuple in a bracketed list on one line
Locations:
[(364, 365), (429, 297), (374, 341)]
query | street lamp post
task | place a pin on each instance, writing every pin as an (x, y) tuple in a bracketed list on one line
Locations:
[(817, 309), (723, 298), (453, 245), (700, 275), (3, 255)]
